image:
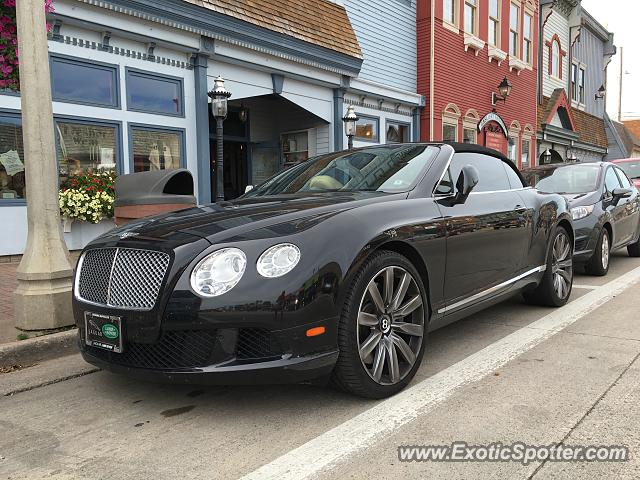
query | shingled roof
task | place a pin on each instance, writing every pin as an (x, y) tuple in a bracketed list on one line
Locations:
[(589, 127), (319, 22), (629, 140)]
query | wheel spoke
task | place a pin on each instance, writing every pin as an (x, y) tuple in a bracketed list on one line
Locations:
[(410, 306), (565, 285), (375, 296), (559, 286), (370, 344), (392, 362), (388, 285), (367, 319), (409, 328), (404, 348), (403, 286), (378, 362), (565, 264), (564, 275)]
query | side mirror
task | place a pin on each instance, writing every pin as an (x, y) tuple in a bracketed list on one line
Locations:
[(467, 181), (621, 193), (248, 188)]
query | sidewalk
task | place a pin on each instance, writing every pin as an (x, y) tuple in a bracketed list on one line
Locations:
[(8, 284)]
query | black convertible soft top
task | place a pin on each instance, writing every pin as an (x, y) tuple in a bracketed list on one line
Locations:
[(473, 148)]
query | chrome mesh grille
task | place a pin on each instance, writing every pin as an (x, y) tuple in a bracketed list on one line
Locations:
[(121, 277)]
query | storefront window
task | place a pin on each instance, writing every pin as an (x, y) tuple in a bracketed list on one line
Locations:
[(12, 186), (513, 150), (449, 133), (469, 135), (154, 93), (86, 147), (154, 149), (367, 128), (398, 133), (76, 81), (524, 156)]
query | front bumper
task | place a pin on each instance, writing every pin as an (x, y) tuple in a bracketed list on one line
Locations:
[(310, 368)]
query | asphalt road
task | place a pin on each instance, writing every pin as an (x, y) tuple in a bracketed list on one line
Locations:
[(512, 373)]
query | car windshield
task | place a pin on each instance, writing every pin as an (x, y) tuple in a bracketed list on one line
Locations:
[(570, 179), (385, 168), (632, 169)]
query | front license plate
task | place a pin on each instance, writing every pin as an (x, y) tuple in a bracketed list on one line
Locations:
[(103, 331)]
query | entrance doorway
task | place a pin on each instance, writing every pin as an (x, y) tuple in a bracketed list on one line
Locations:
[(235, 154), (236, 176)]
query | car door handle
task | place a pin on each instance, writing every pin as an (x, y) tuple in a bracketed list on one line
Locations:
[(520, 209)]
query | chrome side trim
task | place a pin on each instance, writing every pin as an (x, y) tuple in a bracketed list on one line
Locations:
[(76, 279), (491, 290)]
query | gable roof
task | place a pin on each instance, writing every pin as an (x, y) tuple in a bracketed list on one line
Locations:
[(629, 140), (633, 126), (590, 128), (550, 106), (320, 22)]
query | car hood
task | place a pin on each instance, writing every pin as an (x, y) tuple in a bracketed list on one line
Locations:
[(582, 199), (219, 222)]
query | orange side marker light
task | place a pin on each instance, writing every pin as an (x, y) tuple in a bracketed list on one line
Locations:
[(314, 332)]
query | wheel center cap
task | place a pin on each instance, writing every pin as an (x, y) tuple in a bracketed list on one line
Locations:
[(385, 323)]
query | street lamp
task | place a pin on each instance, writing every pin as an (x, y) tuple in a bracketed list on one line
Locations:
[(219, 108), (600, 93), (350, 119), (505, 90), (571, 156), (546, 156)]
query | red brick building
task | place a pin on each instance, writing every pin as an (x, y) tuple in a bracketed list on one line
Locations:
[(465, 50)]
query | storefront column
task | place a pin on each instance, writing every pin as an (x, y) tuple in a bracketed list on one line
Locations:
[(43, 296), (417, 113), (200, 62), (338, 125)]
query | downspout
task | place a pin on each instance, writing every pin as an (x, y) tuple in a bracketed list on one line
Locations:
[(431, 70)]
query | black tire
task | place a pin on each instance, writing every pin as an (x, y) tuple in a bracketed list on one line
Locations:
[(596, 264), (350, 373), (546, 294), (634, 249)]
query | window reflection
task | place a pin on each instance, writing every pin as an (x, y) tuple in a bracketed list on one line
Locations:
[(12, 181), (154, 94), (155, 150), (75, 81), (86, 148)]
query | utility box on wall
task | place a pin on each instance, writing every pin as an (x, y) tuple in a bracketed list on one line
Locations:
[(144, 194)]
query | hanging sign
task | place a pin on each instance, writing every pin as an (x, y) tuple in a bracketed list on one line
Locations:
[(493, 117), (11, 162)]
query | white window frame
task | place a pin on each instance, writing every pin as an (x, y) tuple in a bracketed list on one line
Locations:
[(473, 4), (498, 24), (518, 31), (455, 25), (527, 43)]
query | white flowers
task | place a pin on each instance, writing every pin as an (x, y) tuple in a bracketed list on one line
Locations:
[(87, 197)]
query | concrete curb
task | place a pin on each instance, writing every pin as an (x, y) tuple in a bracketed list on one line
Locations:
[(39, 349)]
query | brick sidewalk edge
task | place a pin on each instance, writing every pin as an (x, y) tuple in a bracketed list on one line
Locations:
[(39, 349)]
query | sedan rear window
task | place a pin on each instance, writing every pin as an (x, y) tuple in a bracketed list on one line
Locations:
[(571, 179), (391, 169), (632, 169)]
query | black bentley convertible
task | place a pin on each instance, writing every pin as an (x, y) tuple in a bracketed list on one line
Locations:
[(334, 269)]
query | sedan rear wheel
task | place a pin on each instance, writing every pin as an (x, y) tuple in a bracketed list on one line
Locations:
[(382, 329)]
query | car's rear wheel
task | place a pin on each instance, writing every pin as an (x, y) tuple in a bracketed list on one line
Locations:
[(382, 330), (557, 282), (598, 264)]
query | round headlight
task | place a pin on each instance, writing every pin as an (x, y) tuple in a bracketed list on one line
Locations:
[(218, 272), (278, 260)]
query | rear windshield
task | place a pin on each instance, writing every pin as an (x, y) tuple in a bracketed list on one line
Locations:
[(568, 179), (632, 169)]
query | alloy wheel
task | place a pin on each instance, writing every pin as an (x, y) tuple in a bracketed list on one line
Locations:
[(391, 324), (562, 265), (605, 251)]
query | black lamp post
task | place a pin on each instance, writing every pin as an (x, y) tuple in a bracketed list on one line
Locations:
[(350, 119), (219, 108), (504, 90)]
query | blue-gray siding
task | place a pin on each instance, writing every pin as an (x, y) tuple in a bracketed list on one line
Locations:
[(386, 31), (589, 50)]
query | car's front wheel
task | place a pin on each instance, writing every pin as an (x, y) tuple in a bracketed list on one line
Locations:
[(557, 282), (382, 330), (598, 265)]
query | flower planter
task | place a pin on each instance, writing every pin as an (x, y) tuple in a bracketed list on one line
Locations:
[(81, 233)]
